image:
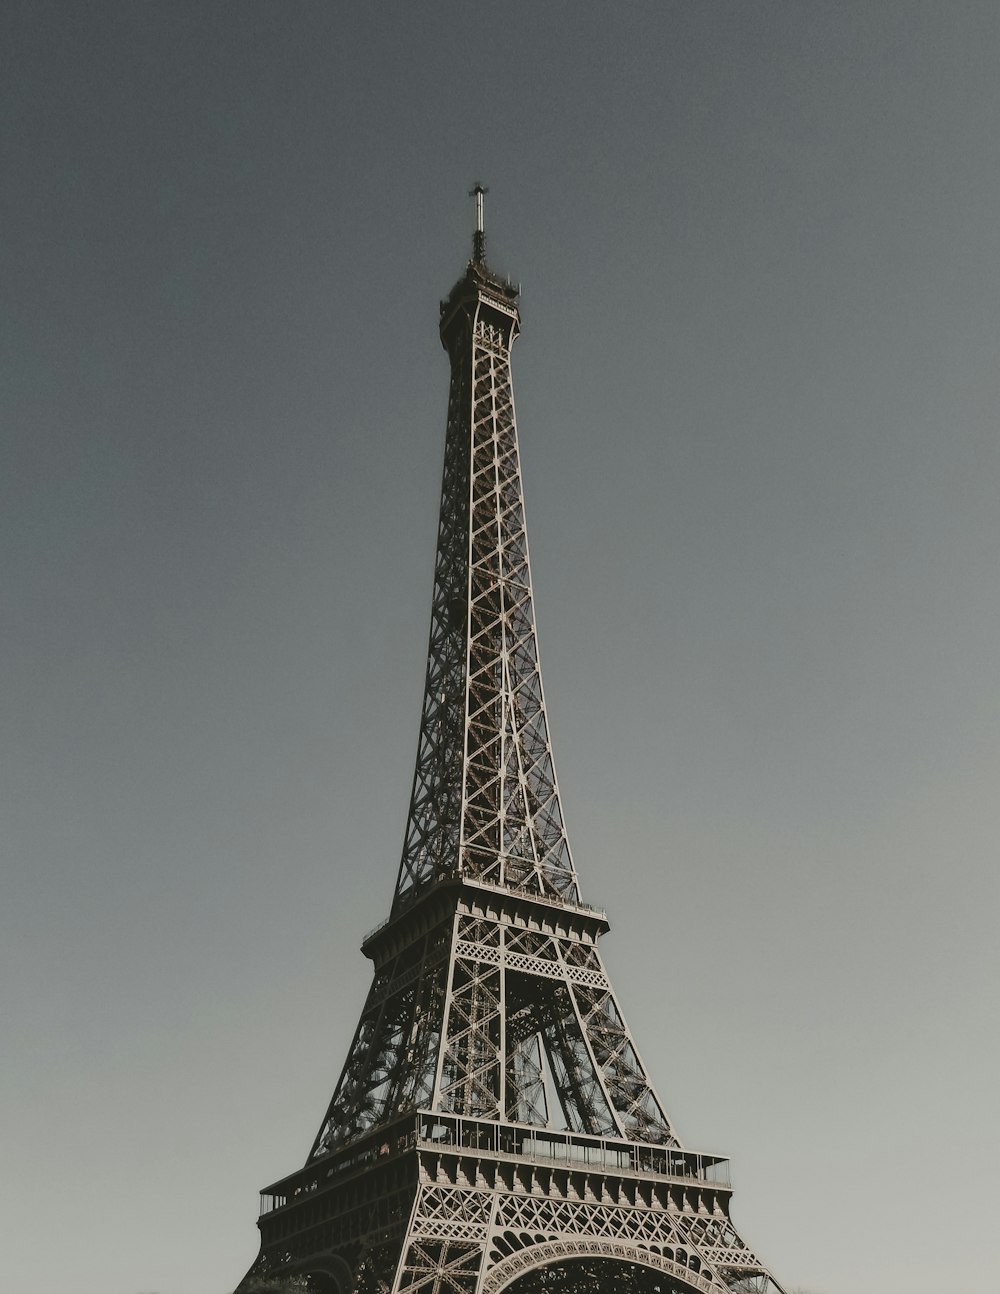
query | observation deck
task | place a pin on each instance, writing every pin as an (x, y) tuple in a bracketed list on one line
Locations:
[(428, 1132)]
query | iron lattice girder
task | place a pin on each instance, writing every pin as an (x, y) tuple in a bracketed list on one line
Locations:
[(484, 754), (493, 1115)]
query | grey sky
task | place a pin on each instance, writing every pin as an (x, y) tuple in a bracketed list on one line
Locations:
[(757, 393)]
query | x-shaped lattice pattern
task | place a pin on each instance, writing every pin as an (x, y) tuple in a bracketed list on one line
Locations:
[(469, 1079), (640, 1114), (485, 801), (440, 1267)]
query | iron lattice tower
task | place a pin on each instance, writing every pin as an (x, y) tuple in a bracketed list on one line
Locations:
[(494, 1123)]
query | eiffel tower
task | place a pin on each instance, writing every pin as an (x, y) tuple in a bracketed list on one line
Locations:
[(494, 1124)]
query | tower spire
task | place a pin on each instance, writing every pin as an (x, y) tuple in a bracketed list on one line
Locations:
[(479, 238)]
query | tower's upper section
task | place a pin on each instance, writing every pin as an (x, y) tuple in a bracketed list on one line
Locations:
[(479, 294), (485, 804)]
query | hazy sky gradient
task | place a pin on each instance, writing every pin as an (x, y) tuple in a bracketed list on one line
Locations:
[(757, 393)]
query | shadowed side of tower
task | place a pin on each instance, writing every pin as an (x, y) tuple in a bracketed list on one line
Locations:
[(494, 1123)]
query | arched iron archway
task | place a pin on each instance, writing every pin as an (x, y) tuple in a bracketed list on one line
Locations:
[(596, 1266)]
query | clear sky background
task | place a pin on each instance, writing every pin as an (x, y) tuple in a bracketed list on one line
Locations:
[(757, 391)]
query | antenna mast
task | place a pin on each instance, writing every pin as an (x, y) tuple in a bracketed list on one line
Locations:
[(479, 238)]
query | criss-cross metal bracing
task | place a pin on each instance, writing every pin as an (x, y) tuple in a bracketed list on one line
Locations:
[(494, 1117), (485, 802)]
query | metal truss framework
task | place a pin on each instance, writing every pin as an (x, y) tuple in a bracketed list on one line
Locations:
[(494, 1119)]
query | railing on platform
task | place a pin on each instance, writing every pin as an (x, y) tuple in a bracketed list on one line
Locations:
[(535, 1145), (542, 1145)]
